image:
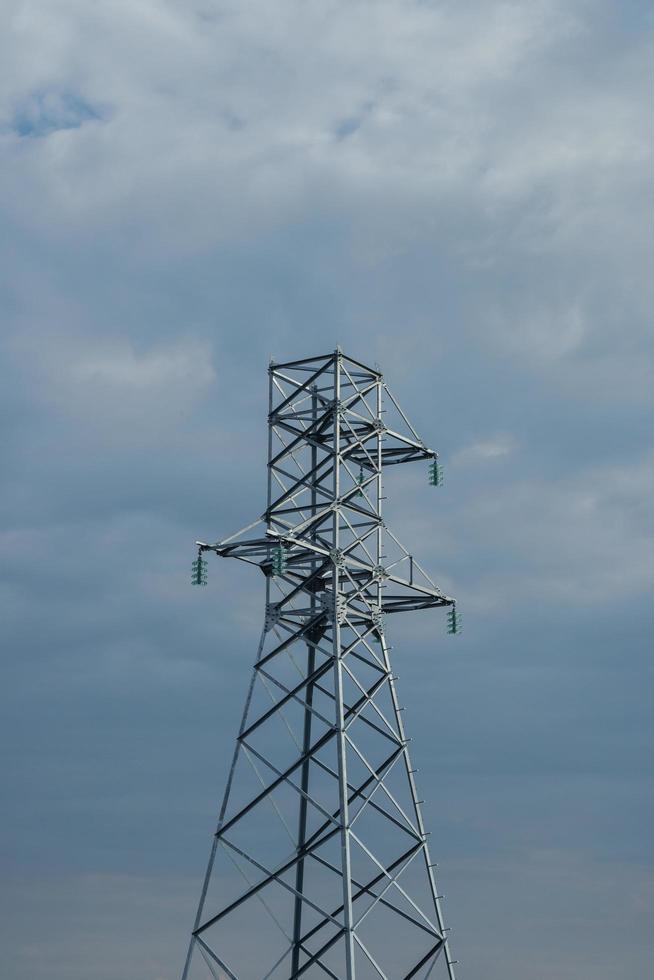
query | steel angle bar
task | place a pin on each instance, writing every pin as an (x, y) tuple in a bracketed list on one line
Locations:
[(368, 801), (249, 551), (358, 397), (270, 877), (243, 530), (360, 541), (360, 430), (289, 782), (277, 509), (367, 889), (395, 455), (399, 409), (395, 884), (358, 442), (410, 828), (299, 485), (381, 773), (363, 489), (315, 958), (362, 640), (366, 700), (366, 427), (221, 963), (307, 952), (322, 741), (374, 664), (372, 521), (282, 486), (415, 444), (393, 877), (305, 583), (279, 961), (349, 500), (278, 517), (399, 561), (362, 718), (295, 414), (246, 752), (282, 383), (302, 362), (369, 956), (301, 407), (326, 405), (286, 619), (435, 952), (310, 437), (312, 637), (431, 966), (349, 710), (369, 526), (363, 701), (298, 635), (231, 857), (414, 560), (378, 808), (359, 791), (354, 795), (304, 474), (357, 655), (275, 876), (291, 695), (308, 524), (207, 960), (364, 367), (413, 605), (357, 592), (363, 385), (349, 458), (392, 729), (305, 436), (270, 679), (303, 386), (352, 403), (423, 590), (350, 650)]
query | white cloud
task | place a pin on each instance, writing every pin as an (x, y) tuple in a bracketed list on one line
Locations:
[(486, 450), (71, 367), (583, 539), (122, 367), (245, 107), (115, 396)]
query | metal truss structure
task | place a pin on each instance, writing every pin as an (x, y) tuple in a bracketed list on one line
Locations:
[(320, 863)]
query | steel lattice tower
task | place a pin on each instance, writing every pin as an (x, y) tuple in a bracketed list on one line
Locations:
[(320, 863)]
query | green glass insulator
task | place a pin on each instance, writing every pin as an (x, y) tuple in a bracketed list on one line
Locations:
[(454, 622), (199, 572)]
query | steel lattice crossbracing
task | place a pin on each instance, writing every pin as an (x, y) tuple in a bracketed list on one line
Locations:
[(320, 864)]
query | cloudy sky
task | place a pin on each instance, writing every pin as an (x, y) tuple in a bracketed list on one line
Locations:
[(459, 190)]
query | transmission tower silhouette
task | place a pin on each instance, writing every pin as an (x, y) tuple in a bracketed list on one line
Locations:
[(320, 863)]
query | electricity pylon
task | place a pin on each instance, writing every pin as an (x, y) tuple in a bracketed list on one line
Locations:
[(320, 863)]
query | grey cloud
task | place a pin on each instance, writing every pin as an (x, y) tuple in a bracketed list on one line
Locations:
[(482, 236)]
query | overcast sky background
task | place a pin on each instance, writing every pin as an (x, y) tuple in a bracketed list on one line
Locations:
[(460, 191)]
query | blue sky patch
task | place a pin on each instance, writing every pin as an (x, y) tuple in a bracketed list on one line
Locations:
[(43, 113)]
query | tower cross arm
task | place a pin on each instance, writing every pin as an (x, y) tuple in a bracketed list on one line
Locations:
[(400, 440), (405, 594)]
